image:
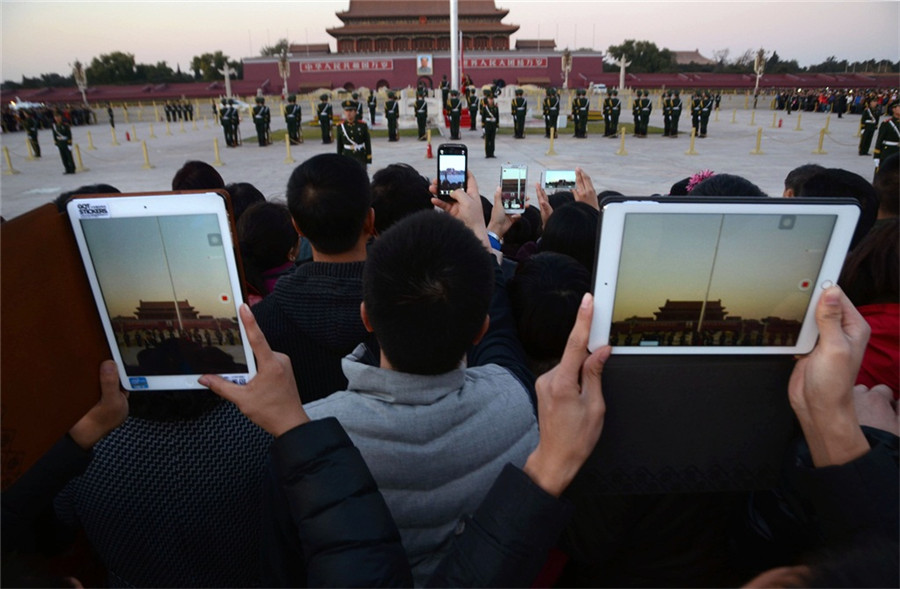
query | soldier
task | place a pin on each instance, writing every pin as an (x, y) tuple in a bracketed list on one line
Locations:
[(353, 135), (169, 112), (580, 107), (472, 101), (519, 109), (262, 117), (869, 125), (636, 113), (372, 102), (421, 108), (490, 118), (359, 106), (888, 141), (606, 109), (324, 114), (189, 111), (445, 91), (551, 111), (706, 106), (235, 116), (225, 120), (31, 126), (62, 137), (454, 111), (667, 114), (615, 111), (646, 109), (696, 102), (392, 114), (676, 105), (293, 118), (112, 119)]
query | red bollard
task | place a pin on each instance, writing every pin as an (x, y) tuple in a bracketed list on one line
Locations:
[(127, 136)]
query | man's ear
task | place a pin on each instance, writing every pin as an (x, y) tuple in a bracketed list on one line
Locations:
[(484, 328), (369, 224), (365, 318), (297, 229)]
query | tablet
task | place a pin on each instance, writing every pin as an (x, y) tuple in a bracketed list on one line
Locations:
[(709, 276), (164, 275)]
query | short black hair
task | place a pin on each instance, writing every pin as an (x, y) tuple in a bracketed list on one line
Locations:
[(63, 199), (680, 187), (329, 198), (266, 237), (835, 183), (572, 230), (727, 185), (545, 294), (887, 184), (797, 177), (197, 175), (427, 286), (398, 191), (243, 194), (560, 197)]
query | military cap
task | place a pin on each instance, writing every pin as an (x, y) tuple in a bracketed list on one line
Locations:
[(292, 98), (454, 92), (615, 92), (355, 95), (260, 100), (519, 92), (323, 97), (581, 92), (487, 92), (231, 101), (391, 94), (224, 101), (349, 104)]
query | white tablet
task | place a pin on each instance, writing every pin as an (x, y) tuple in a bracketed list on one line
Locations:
[(164, 275), (713, 277)]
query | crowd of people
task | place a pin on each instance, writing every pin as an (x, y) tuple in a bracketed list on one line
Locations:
[(425, 399)]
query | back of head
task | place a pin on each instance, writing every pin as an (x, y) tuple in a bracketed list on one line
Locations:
[(887, 186), (329, 198), (797, 177), (527, 228), (197, 175), (572, 230), (545, 294), (835, 183), (559, 198), (62, 200), (398, 191), (266, 236), (726, 185), (243, 194), (427, 285), (871, 272)]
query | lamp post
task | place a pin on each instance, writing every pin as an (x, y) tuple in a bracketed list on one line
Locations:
[(566, 67), (226, 71), (284, 70), (80, 77), (759, 66)]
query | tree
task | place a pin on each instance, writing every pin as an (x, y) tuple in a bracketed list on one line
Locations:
[(112, 68), (279, 48), (645, 56), (206, 67)]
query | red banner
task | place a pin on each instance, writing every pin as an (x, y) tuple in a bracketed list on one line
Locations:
[(505, 62), (356, 65)]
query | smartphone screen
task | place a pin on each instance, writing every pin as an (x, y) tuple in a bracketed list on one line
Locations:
[(557, 180), (512, 187), (452, 161)]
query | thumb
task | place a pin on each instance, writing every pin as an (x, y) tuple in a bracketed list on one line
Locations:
[(224, 388), (829, 315)]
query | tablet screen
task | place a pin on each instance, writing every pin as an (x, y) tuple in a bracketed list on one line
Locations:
[(165, 285), (708, 281)]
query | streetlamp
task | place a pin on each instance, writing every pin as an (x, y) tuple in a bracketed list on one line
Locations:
[(80, 77), (284, 70)]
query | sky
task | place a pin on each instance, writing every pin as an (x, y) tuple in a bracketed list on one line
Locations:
[(47, 37)]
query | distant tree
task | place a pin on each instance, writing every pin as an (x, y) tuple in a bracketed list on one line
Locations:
[(206, 66), (645, 56), (112, 68), (831, 64), (277, 49)]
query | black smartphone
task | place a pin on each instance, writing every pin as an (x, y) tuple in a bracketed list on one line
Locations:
[(453, 167)]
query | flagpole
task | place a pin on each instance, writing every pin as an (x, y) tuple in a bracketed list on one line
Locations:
[(454, 44)]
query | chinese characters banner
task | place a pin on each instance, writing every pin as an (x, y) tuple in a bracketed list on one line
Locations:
[(356, 65)]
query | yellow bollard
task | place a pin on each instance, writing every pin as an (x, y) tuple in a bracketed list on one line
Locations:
[(205, 122), (747, 101), (194, 124), (181, 124), (819, 150), (775, 120), (428, 152), (79, 165), (758, 150), (859, 129), (140, 113), (152, 134), (156, 112), (717, 116), (146, 165), (752, 118), (30, 156), (133, 133), (10, 170), (125, 110), (799, 116), (691, 150), (287, 146), (551, 151), (90, 142), (114, 140), (828, 123), (734, 116), (622, 150), (218, 161), (168, 128)]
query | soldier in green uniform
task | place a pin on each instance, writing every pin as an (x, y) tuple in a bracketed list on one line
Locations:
[(353, 135), (869, 126), (472, 101), (359, 106), (372, 103), (262, 118), (31, 126), (324, 114), (225, 120), (636, 113), (392, 114), (445, 91), (235, 116), (580, 108), (421, 108), (615, 111), (675, 106), (454, 111), (519, 109), (706, 106), (62, 137), (695, 111), (646, 108), (490, 118), (667, 114), (293, 119), (888, 141), (551, 111), (606, 109)]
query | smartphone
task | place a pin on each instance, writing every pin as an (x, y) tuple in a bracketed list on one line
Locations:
[(556, 180), (453, 167), (512, 187)]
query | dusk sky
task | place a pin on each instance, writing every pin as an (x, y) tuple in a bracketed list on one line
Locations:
[(46, 37)]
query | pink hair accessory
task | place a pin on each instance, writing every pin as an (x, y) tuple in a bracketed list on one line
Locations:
[(698, 178)]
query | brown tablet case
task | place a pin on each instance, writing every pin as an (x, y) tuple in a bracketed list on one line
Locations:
[(52, 341)]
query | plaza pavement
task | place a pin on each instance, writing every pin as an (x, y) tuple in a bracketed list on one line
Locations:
[(651, 165)]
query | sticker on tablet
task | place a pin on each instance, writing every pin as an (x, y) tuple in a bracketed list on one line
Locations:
[(87, 210)]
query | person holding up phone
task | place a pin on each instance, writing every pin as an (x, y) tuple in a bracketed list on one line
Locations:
[(490, 119)]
